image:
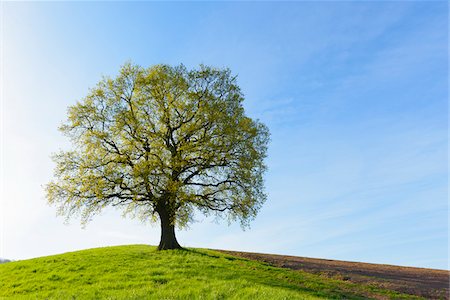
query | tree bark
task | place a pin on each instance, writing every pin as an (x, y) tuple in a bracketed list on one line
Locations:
[(168, 238)]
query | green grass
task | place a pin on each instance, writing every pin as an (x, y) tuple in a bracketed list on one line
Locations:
[(142, 272)]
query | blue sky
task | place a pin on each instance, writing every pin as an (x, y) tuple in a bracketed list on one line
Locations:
[(354, 93)]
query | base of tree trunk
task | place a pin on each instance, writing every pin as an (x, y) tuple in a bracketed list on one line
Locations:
[(168, 238), (169, 245)]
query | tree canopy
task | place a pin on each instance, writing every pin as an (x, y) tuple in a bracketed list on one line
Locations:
[(162, 142)]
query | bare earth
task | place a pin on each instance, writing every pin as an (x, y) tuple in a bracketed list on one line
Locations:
[(427, 283)]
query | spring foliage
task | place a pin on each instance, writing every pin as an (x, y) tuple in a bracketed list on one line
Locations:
[(162, 137)]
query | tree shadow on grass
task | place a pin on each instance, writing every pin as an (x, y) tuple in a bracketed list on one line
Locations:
[(320, 289)]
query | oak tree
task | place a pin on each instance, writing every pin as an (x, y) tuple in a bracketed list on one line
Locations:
[(160, 143)]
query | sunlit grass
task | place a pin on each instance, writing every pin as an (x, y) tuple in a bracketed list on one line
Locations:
[(142, 272)]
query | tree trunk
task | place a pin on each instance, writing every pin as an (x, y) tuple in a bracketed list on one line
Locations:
[(168, 239)]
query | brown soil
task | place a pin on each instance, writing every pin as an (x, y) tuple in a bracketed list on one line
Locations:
[(427, 283)]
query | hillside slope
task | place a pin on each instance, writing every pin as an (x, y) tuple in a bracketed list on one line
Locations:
[(141, 272), (427, 283)]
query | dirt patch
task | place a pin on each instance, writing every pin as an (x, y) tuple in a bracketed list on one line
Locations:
[(427, 283)]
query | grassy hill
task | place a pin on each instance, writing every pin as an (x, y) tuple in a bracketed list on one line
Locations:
[(142, 272)]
